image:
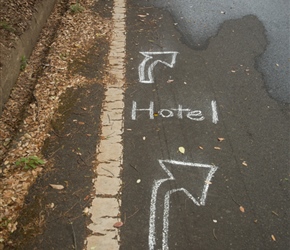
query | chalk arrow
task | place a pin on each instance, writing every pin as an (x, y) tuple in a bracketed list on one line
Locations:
[(180, 184), (150, 59)]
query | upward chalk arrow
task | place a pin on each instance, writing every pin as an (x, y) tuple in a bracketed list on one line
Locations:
[(166, 205), (147, 76)]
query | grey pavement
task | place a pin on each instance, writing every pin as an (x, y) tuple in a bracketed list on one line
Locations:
[(206, 148)]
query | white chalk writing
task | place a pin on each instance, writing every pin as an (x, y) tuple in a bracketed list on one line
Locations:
[(179, 112)]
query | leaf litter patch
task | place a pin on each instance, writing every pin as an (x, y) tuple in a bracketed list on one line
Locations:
[(61, 194), (76, 36)]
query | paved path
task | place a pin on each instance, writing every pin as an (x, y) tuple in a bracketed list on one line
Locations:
[(206, 149)]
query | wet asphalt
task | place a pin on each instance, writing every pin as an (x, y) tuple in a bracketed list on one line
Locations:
[(200, 20), (206, 146)]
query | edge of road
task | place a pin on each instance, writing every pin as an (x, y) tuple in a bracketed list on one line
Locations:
[(105, 209), (24, 46)]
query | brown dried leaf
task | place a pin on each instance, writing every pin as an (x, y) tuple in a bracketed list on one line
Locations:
[(242, 209), (181, 150), (217, 148), (221, 139), (200, 147), (244, 163), (57, 186), (273, 237), (118, 224)]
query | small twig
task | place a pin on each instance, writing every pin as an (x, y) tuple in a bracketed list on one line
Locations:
[(133, 213), (108, 171), (83, 160), (74, 236), (125, 218), (133, 167), (214, 235), (78, 113), (65, 111), (70, 208), (58, 135), (236, 202)]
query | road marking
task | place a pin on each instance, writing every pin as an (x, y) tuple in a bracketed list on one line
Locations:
[(153, 205), (215, 117), (179, 112), (105, 209), (149, 78)]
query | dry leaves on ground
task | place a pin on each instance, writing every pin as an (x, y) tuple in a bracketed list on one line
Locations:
[(75, 37)]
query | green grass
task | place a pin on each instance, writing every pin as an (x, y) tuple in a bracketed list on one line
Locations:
[(76, 8), (6, 26), (23, 63), (30, 162)]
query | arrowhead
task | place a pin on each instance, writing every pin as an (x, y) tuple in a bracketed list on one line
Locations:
[(153, 58), (191, 178)]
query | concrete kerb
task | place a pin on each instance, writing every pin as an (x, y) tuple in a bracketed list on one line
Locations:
[(23, 47)]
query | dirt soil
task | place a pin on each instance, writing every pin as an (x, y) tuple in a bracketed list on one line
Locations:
[(53, 113)]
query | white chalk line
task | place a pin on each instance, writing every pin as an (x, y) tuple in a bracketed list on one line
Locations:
[(215, 117), (157, 184), (150, 55)]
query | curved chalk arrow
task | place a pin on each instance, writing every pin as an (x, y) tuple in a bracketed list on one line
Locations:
[(157, 183), (143, 78)]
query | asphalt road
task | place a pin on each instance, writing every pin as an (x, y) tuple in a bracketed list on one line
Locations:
[(200, 20), (206, 146)]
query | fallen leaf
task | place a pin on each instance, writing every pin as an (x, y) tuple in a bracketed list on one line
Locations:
[(221, 139), (170, 81), (118, 224), (244, 163), (200, 147), (142, 15), (273, 237), (217, 148), (51, 205), (242, 209), (86, 211), (181, 150), (56, 186)]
